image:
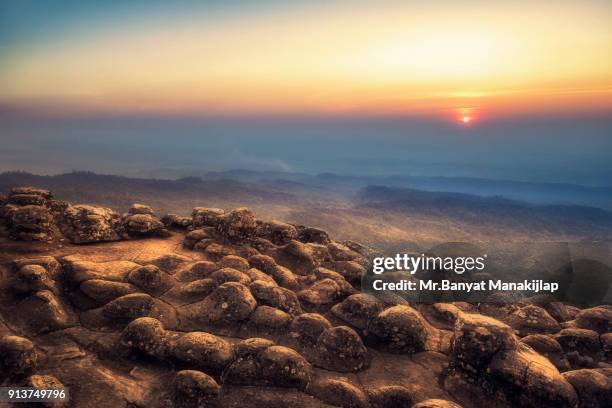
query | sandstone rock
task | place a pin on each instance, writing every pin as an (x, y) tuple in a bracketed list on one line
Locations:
[(351, 270), (558, 311), (57, 206), (320, 252), (169, 262), (150, 279), (195, 236), (339, 394), (77, 269), (47, 382), (200, 245), (198, 270), (530, 380), (606, 345), (243, 371), (206, 217), (30, 223), (277, 232), (252, 346), (229, 275), (129, 306), (285, 278), (146, 335), (6, 210), (176, 221), (533, 320), (549, 348), (85, 223), (26, 199), (239, 298), (540, 299), (341, 349), (308, 327), (499, 305), (18, 356), (143, 225), (597, 318), (302, 254), (572, 311), (229, 303), (581, 346), (51, 265), (309, 234), (281, 275), (436, 403), (264, 263), (391, 396), (477, 339), (141, 209), (194, 389), (262, 245), (358, 309), (441, 315), (215, 250), (323, 292), (237, 225), (340, 252), (235, 262), (44, 381), (43, 312), (32, 190), (593, 388), (283, 367), (266, 317), (281, 298), (104, 291), (204, 351), (196, 290), (256, 274), (32, 278), (607, 371), (398, 329), (346, 288)]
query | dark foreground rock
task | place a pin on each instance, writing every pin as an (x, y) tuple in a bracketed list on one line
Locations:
[(231, 311)]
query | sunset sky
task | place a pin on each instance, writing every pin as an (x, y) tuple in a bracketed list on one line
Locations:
[(449, 59), (512, 89)]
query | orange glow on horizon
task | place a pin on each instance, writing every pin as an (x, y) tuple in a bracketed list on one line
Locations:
[(465, 116), (504, 59)]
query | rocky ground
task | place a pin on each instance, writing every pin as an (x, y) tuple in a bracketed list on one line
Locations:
[(223, 310)]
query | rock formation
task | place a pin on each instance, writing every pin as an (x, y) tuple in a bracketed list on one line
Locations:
[(231, 311)]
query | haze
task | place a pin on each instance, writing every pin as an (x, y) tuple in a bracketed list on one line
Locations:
[(500, 90)]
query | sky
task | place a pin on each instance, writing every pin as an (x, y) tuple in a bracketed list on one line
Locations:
[(454, 80)]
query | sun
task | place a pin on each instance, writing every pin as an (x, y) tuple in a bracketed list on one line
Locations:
[(465, 115)]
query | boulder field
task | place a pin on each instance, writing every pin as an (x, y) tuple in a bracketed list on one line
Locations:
[(221, 309)]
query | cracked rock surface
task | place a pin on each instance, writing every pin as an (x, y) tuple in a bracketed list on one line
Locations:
[(221, 309)]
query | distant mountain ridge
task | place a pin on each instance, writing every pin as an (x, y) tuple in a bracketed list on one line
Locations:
[(466, 205), (534, 192), (352, 208), (390, 194)]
